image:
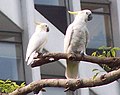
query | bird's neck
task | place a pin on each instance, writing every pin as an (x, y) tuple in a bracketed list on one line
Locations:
[(79, 21), (38, 29)]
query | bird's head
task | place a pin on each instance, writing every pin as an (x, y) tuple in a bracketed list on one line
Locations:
[(42, 26), (85, 14), (88, 14)]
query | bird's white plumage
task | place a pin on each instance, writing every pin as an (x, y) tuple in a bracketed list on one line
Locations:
[(75, 41), (36, 42)]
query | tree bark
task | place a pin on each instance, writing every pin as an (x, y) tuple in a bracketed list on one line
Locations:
[(3, 93), (71, 84), (51, 57), (68, 84)]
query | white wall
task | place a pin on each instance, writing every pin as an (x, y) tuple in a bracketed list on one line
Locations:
[(12, 9), (115, 15)]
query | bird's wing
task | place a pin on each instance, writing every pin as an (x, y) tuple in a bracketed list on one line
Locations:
[(68, 37), (72, 69), (87, 37), (36, 41)]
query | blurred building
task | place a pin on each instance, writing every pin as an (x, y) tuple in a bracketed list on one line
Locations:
[(17, 19)]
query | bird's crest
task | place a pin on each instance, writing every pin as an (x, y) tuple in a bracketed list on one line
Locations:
[(37, 23), (73, 13)]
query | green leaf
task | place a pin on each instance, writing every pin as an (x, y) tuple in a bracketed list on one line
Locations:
[(8, 86), (8, 81), (101, 56), (104, 48), (3, 90), (116, 48), (2, 82), (109, 54), (106, 67), (95, 70), (95, 75), (104, 53), (22, 84), (113, 53), (94, 54)]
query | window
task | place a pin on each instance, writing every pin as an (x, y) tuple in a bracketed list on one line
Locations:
[(54, 70), (11, 62), (91, 92), (51, 9), (50, 2), (101, 32)]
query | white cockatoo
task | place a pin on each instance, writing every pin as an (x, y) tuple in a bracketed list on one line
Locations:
[(37, 41), (76, 39)]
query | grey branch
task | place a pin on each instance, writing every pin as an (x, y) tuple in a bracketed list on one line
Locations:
[(3, 93), (51, 57), (68, 84)]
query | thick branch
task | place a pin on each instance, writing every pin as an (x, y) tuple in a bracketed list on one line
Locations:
[(51, 57), (68, 84), (3, 93)]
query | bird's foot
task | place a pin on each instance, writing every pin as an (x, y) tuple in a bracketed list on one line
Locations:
[(82, 53), (39, 54), (72, 56)]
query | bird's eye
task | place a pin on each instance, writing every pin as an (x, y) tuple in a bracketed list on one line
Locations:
[(87, 13), (46, 26)]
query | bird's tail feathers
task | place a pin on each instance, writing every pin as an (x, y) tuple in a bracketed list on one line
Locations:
[(72, 69), (30, 59)]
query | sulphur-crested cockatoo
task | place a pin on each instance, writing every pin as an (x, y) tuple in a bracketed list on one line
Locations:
[(76, 39), (37, 41)]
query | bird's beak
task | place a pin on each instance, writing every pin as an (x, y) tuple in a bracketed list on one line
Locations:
[(47, 29), (37, 23), (73, 13), (90, 17)]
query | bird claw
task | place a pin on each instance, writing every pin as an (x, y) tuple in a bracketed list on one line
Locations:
[(72, 56), (67, 89), (39, 54), (43, 89), (36, 59), (36, 55), (82, 53)]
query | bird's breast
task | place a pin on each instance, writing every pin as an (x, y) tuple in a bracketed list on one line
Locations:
[(78, 41)]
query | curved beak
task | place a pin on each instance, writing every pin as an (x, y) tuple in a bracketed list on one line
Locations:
[(90, 17), (37, 23), (47, 29)]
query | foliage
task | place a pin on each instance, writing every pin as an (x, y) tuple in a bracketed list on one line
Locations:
[(9, 86), (104, 52)]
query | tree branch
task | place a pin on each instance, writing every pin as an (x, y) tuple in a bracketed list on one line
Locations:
[(3, 93), (51, 57), (71, 84), (68, 84)]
